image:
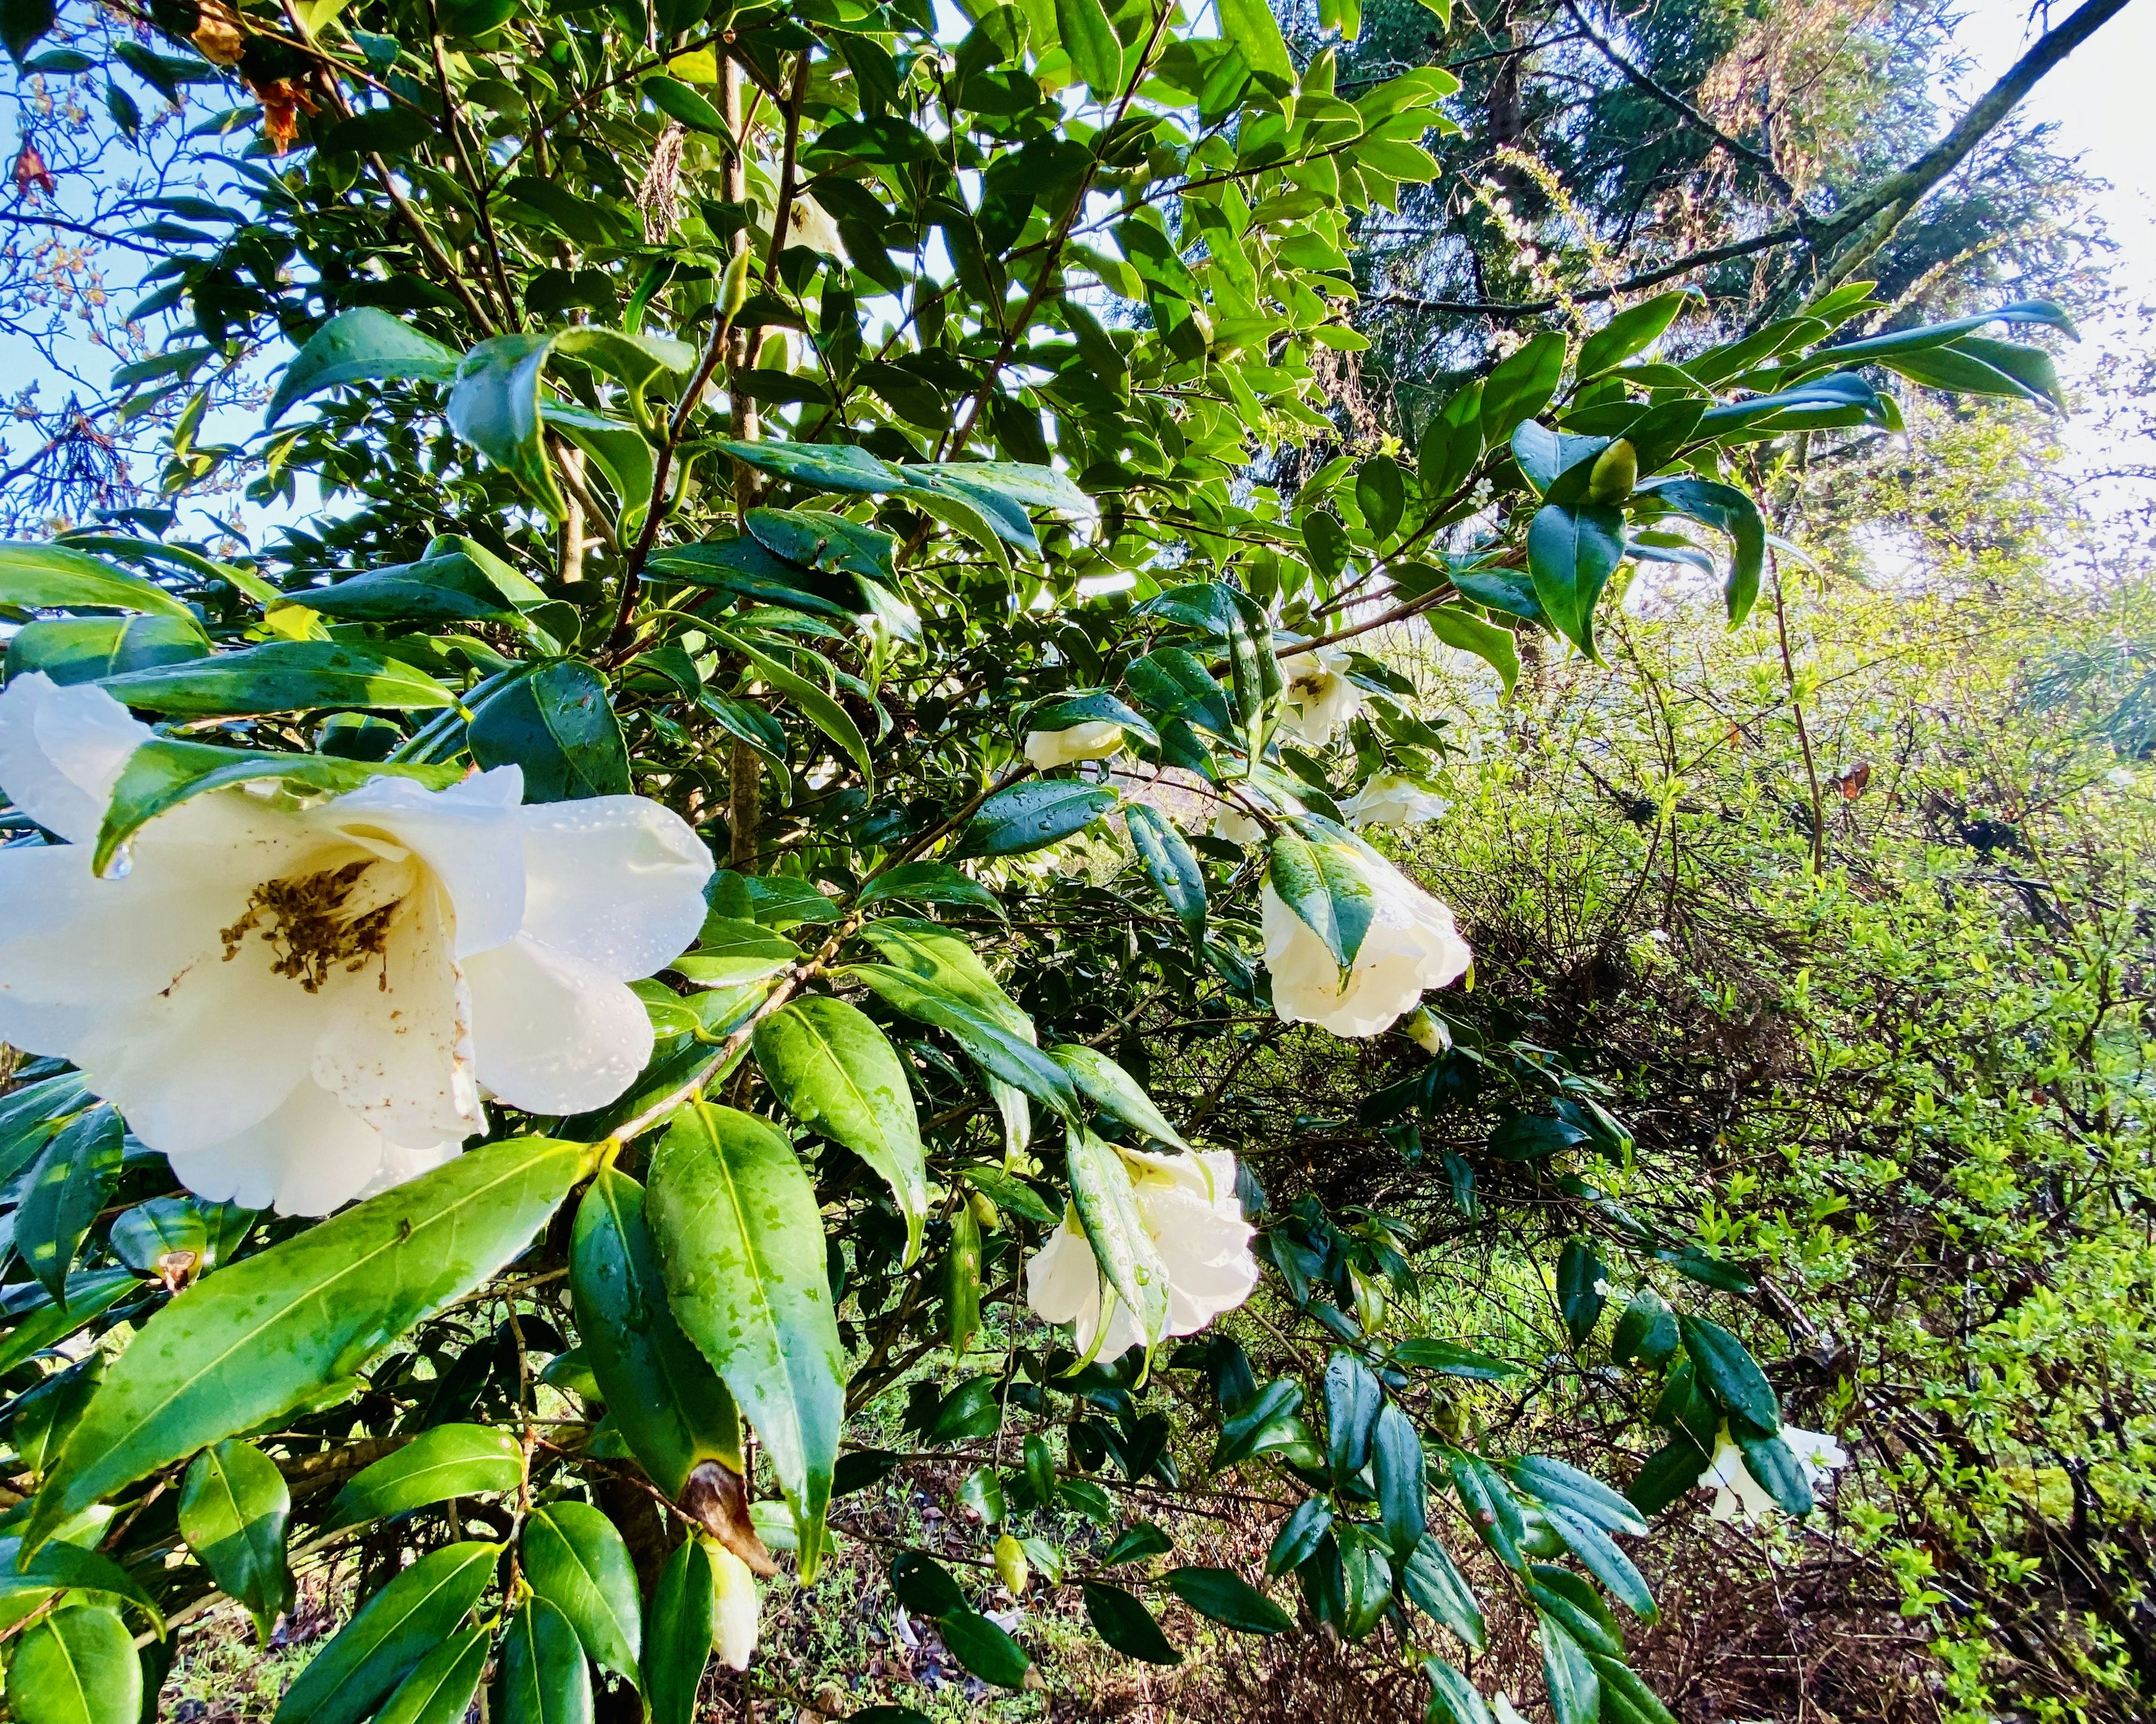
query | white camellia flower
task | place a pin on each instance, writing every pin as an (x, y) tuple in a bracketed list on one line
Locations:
[(302, 1003), (734, 1607), (1096, 738), (810, 224), (1319, 701), (1390, 800), (1411, 945), (1737, 1494), (1427, 1031), (1236, 827), (1188, 1206)]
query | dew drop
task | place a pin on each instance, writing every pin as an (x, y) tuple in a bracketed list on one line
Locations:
[(121, 864)]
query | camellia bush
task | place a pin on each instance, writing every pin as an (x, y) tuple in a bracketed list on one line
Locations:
[(547, 1002)]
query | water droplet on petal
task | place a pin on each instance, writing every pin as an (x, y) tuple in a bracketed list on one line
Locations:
[(121, 864)]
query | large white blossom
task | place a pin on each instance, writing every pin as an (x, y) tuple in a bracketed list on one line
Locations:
[(1188, 1206), (1410, 945), (1236, 827), (734, 1607), (1319, 701), (1095, 739), (1390, 800), (304, 1003), (1737, 1494)]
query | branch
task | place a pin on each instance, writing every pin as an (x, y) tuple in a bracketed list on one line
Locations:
[(1646, 278), (1670, 99)]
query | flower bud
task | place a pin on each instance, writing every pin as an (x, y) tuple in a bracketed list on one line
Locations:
[(988, 1217), (734, 293), (1011, 1566), (1616, 471)]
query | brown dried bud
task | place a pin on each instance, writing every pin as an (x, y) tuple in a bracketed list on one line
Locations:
[(176, 1268), (716, 1498)]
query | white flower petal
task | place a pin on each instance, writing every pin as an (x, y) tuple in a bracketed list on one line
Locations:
[(307, 1157), (399, 1048), (1236, 827), (469, 836), (554, 1035), (615, 880), (1319, 701), (61, 752), (733, 1607), (1096, 738), (1411, 945)]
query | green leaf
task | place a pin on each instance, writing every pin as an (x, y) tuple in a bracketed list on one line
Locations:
[(636, 361), (24, 24), (440, 1688), (984, 1648), (1734, 513), (457, 581), (246, 1345), (365, 346), (71, 649), (1552, 1481), (232, 1508), (998, 1049), (836, 1073), (1227, 1598), (1128, 1260), (1434, 1581), (1253, 1427), (578, 1563), (142, 1236), (90, 1296), (76, 1666), (1522, 385), (1598, 1552), (1451, 442), (1323, 883), (819, 539), (164, 772), (1132, 1542), (279, 676), (1025, 817), (1126, 1625), (1647, 1330), (28, 1117), (1489, 1505), (392, 1632), (1114, 1091), (678, 101), (1494, 645), (820, 466), (494, 406), (1299, 1534), (61, 1566), (1170, 865), (660, 1392), (1255, 32), (1008, 1192), (1449, 1360), (1728, 1374), (1578, 1296), (1622, 1688), (925, 1585), (556, 724), (741, 1243), (1396, 1462), (450, 1460), (1454, 1699), (677, 1635), (1380, 495), (67, 1185), (826, 714), (1353, 1398), (1059, 712), (1630, 331), (929, 883), (1575, 1692), (544, 1677), (1366, 1576), (1668, 1474), (1770, 1461), (1082, 27), (730, 953), (961, 1281), (1572, 552), (43, 577)]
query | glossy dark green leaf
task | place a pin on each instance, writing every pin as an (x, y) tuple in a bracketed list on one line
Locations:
[(1454, 1700), (1572, 552), (1396, 1464), (1323, 885), (1251, 1428), (494, 406), (1451, 442), (1728, 1374), (1725, 507), (1082, 26), (1434, 1581), (448, 1460), (817, 538), (1489, 1505), (660, 1392), (999, 1050), (1626, 1699), (1227, 1598), (61, 1566), (148, 1234), (836, 1073), (820, 466), (75, 1666), (1129, 1260), (1554, 1481), (544, 1677), (68, 1184), (385, 1640), (826, 714), (30, 1114), (457, 581), (930, 883), (677, 1635), (279, 676), (1366, 1577), (1133, 1542), (1115, 1092), (1309, 1521), (1771, 1462), (246, 1345), (1126, 1625), (1646, 1330), (441, 1687), (1575, 1691), (741, 1245), (1581, 1276), (577, 1562), (90, 1296), (365, 346), (1522, 385), (42, 577), (1352, 1400), (1170, 865), (984, 1648), (556, 724), (1449, 1360), (1630, 331), (72, 649), (961, 1281), (232, 1508), (1025, 817), (1599, 1554)]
